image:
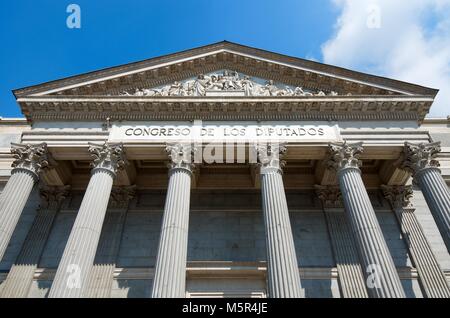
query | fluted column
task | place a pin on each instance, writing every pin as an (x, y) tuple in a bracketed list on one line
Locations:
[(282, 268), (78, 257), (29, 161), (351, 278), (102, 273), (420, 160), (382, 279), (20, 277), (170, 269), (431, 276)]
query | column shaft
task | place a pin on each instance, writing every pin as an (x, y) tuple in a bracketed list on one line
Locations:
[(170, 271), (79, 254), (351, 278), (282, 267), (382, 279), (20, 277), (431, 276), (12, 202), (437, 195)]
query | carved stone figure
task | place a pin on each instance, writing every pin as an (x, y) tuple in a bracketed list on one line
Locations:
[(138, 92), (270, 89), (215, 83), (247, 85), (227, 81), (188, 88), (222, 82), (287, 91), (200, 85), (150, 92), (175, 89)]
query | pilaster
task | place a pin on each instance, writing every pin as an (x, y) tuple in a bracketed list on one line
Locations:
[(101, 276), (432, 278), (351, 278), (20, 276)]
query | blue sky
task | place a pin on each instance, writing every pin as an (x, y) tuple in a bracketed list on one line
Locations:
[(37, 46)]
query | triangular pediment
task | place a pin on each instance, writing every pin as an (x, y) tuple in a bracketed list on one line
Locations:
[(286, 72), (225, 81)]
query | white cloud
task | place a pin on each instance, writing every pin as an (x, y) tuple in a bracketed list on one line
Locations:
[(407, 40)]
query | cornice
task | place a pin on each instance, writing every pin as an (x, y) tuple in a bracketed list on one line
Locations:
[(436, 121), (12, 120), (398, 107)]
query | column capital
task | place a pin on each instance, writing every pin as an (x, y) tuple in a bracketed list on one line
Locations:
[(330, 195), (53, 196), (398, 195), (417, 157), (30, 157), (108, 157), (181, 156), (121, 196), (269, 157), (344, 156)]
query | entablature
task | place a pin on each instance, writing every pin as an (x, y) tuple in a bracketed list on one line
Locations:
[(355, 108)]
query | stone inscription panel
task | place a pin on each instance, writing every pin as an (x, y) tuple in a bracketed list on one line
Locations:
[(239, 132)]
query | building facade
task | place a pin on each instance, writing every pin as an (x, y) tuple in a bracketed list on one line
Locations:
[(225, 171)]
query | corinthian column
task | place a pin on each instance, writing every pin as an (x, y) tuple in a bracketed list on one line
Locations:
[(78, 257), (20, 277), (382, 279), (420, 160), (282, 267), (431, 276), (170, 270), (351, 278), (29, 160)]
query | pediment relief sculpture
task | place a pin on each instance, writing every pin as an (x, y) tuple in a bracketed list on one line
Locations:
[(226, 81)]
